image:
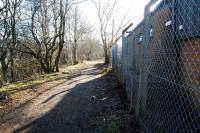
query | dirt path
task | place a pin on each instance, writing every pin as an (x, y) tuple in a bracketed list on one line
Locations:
[(85, 103)]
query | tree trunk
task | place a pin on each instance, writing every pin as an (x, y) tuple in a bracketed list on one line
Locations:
[(12, 67), (61, 35), (107, 58), (58, 56), (45, 25), (44, 68), (14, 42), (4, 68), (74, 56)]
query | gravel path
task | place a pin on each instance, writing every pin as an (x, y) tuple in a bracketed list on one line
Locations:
[(82, 104)]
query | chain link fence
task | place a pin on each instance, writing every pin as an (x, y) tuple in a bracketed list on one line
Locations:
[(160, 66)]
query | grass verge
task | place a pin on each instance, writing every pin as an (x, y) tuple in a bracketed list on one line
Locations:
[(17, 90)]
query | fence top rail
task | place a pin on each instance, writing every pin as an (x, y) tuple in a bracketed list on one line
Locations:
[(127, 28)]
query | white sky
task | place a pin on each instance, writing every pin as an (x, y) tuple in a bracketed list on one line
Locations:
[(134, 8)]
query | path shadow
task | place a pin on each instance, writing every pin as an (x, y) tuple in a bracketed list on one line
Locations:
[(51, 97), (95, 71), (71, 114)]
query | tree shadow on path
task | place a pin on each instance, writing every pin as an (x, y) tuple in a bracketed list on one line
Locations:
[(72, 113)]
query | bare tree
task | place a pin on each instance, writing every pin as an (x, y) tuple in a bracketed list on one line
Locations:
[(9, 14), (39, 32), (48, 28), (77, 28), (5, 35), (38, 41), (63, 12), (15, 16), (109, 32)]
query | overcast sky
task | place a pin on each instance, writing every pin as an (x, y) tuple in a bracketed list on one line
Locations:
[(134, 8)]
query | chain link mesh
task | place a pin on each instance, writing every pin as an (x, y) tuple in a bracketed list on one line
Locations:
[(160, 66)]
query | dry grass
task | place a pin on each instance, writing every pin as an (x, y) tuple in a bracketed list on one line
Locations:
[(18, 90), (105, 70), (33, 82)]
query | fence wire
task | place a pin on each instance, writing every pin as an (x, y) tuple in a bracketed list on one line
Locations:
[(160, 66)]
